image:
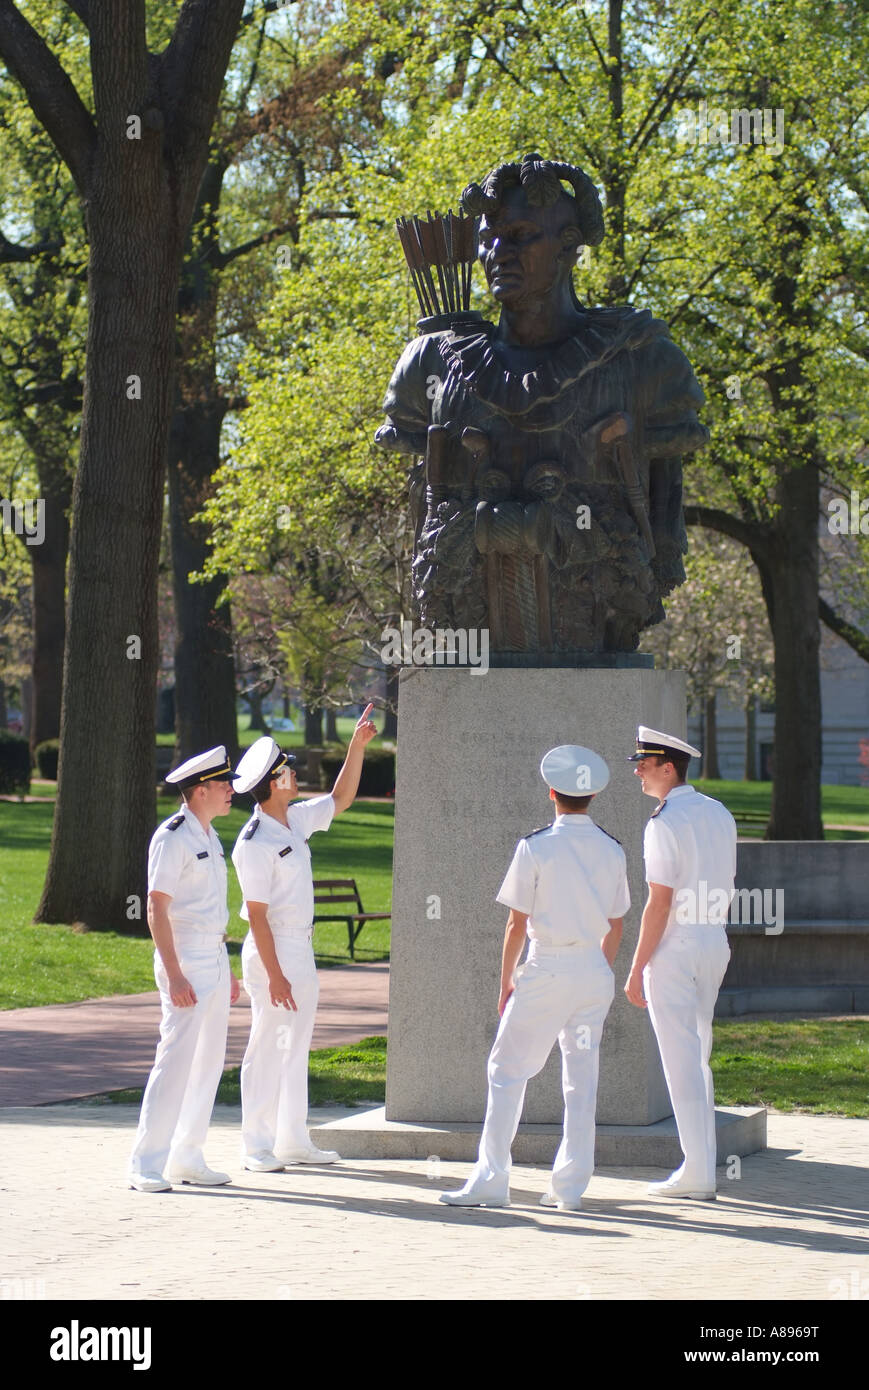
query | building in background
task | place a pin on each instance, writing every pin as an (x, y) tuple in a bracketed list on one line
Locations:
[(845, 722)]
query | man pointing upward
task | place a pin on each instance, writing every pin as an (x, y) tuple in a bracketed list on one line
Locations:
[(273, 864)]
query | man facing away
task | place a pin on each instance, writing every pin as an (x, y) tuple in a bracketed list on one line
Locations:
[(567, 892), (187, 917), (682, 951), (273, 864)]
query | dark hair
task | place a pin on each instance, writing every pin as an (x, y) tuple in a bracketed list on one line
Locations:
[(572, 803), (679, 760), (541, 181), (263, 789)]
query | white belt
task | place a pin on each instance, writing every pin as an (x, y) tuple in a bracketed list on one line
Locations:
[(537, 951), (294, 933), (695, 928), (189, 936)]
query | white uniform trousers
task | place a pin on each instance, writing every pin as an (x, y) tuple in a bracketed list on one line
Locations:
[(179, 1096), (274, 1073), (681, 984), (563, 994)]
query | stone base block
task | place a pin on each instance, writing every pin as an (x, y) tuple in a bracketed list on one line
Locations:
[(796, 999), (368, 1134), (468, 785)]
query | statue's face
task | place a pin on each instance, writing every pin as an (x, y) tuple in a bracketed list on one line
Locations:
[(522, 251)]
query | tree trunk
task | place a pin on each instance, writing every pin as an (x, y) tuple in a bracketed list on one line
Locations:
[(49, 604), (26, 705), (331, 727), (313, 727), (390, 723), (257, 717), (204, 666), (711, 768), (112, 643), (138, 162), (793, 577), (750, 772)]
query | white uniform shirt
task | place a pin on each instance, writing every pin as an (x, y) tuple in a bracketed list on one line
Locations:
[(188, 863), (569, 878), (690, 846), (273, 862)]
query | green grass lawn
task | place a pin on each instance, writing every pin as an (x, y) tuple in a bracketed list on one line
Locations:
[(57, 965), (839, 805), (350, 1075), (287, 738), (820, 1065)]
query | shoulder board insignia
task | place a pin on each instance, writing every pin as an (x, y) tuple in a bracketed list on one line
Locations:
[(176, 821), (608, 835), (252, 829), (658, 810), (539, 831), (283, 852), (203, 854)]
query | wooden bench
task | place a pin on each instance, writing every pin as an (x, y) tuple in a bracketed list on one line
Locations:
[(343, 890)]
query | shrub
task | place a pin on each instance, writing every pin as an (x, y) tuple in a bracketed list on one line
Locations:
[(14, 764), (46, 755), (378, 770)]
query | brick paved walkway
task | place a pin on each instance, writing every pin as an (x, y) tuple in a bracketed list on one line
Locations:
[(65, 1051), (791, 1227)]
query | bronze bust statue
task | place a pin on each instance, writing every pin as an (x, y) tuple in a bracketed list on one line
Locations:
[(547, 491)]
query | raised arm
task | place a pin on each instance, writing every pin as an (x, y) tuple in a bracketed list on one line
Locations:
[(347, 782)]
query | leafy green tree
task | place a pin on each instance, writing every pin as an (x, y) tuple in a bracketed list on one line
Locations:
[(42, 329), (766, 324), (16, 486), (137, 148), (718, 634), (753, 250)]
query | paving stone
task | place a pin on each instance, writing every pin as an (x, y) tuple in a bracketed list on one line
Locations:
[(791, 1226)]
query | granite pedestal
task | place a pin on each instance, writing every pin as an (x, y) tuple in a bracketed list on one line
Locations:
[(468, 786)]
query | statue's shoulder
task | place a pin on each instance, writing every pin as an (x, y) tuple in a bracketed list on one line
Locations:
[(662, 372), (425, 360), (625, 326), (417, 352), (407, 400)]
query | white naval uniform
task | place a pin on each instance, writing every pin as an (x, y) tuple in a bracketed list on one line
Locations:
[(570, 879), (690, 846), (273, 864), (187, 863)]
